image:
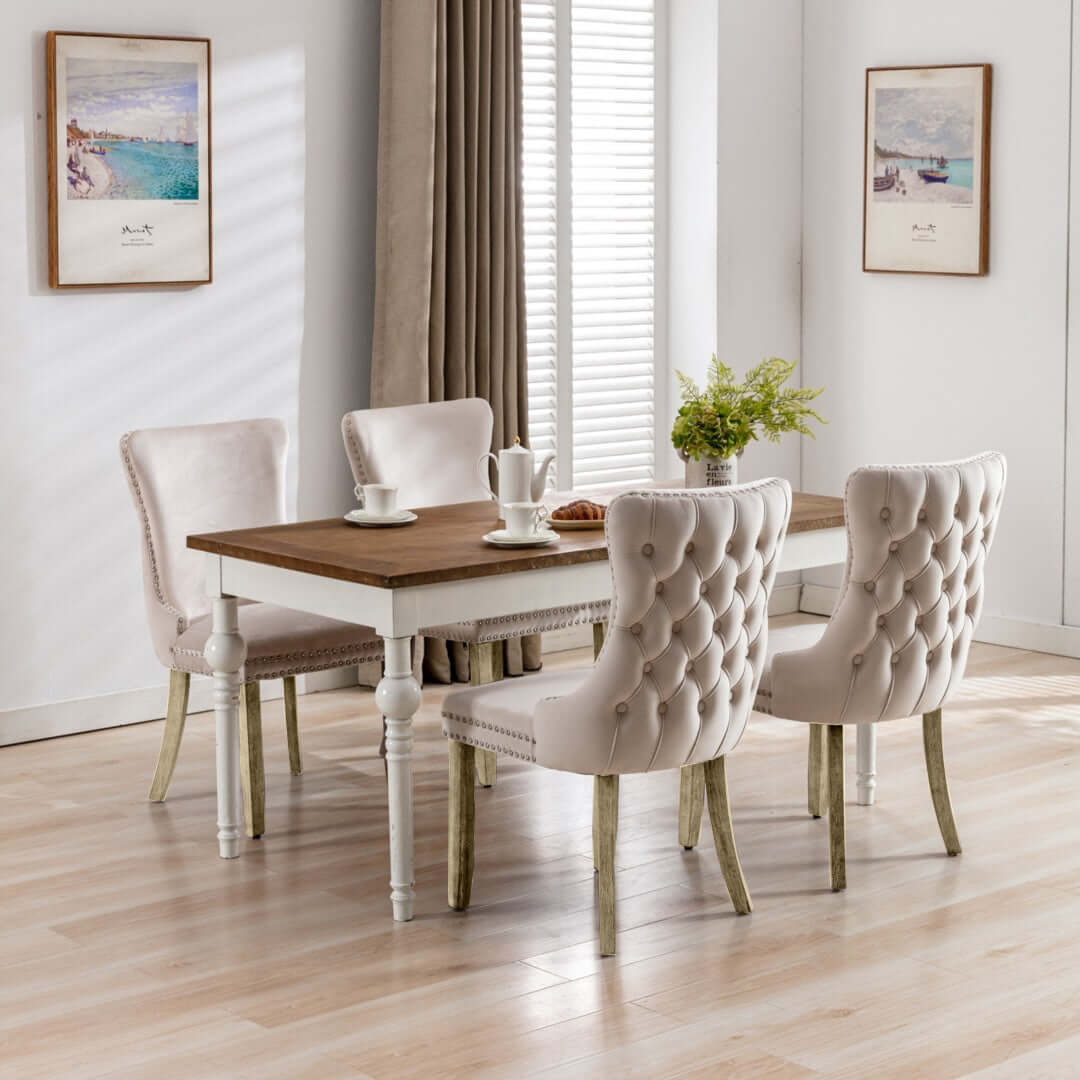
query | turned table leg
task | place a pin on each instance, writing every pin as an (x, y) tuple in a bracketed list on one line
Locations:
[(225, 652), (398, 698)]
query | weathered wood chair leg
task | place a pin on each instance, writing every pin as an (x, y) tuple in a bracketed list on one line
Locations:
[(691, 804), (817, 777), (292, 727), (605, 829), (599, 632), (715, 773), (175, 715), (939, 786), (252, 780), (485, 666), (461, 826), (837, 853)]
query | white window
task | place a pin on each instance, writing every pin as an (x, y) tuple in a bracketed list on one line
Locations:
[(590, 235)]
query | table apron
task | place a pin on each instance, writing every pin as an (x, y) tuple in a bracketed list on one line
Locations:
[(403, 611)]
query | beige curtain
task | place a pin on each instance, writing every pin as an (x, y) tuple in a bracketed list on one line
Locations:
[(450, 281)]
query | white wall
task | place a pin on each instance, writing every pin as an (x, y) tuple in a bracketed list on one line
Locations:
[(734, 194), (926, 368), (283, 331)]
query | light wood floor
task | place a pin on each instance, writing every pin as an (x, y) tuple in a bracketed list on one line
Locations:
[(128, 949)]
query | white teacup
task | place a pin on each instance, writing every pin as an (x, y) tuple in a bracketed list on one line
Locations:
[(379, 500), (524, 518)]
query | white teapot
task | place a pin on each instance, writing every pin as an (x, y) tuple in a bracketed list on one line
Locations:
[(520, 478)]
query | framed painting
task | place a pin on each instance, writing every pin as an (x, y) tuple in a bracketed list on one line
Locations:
[(129, 160), (926, 170)]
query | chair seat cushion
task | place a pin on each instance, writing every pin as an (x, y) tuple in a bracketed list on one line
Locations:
[(282, 642), (476, 631), (498, 716), (784, 639)]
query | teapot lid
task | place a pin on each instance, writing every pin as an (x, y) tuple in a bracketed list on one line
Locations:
[(517, 448)]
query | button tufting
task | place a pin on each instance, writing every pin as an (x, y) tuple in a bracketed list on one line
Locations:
[(701, 706), (659, 587), (930, 656), (636, 628), (704, 587), (881, 620), (731, 695), (716, 626), (894, 547), (869, 586), (956, 509), (647, 549), (907, 586), (729, 547), (857, 659), (676, 627), (922, 514), (621, 707), (896, 658), (886, 513), (662, 708), (646, 667), (918, 620), (933, 549), (690, 548), (689, 666)]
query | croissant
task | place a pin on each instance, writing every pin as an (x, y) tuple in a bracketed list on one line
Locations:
[(578, 510)]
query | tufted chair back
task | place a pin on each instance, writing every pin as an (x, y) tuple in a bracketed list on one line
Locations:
[(897, 643), (685, 649), (203, 478), (429, 452)]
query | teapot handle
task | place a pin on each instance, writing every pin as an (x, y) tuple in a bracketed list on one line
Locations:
[(482, 473)]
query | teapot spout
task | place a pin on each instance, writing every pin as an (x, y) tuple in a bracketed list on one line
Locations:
[(539, 480)]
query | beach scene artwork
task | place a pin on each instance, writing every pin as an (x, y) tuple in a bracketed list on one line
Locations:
[(132, 129), (924, 144)]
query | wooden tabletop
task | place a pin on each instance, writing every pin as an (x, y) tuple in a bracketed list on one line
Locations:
[(444, 544)]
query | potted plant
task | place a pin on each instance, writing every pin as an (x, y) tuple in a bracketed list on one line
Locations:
[(714, 425)]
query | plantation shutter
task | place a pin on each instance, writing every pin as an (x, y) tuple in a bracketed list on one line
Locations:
[(590, 235)]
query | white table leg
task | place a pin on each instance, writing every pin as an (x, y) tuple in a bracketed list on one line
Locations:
[(865, 763), (225, 652), (398, 698)]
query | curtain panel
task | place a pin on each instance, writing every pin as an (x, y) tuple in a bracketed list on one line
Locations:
[(450, 278)]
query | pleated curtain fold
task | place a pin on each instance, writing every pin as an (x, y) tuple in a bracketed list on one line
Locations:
[(449, 255)]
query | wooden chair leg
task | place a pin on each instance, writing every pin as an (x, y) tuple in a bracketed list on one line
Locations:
[(599, 632), (837, 853), (292, 727), (605, 829), (175, 715), (817, 777), (485, 666), (691, 803), (715, 773), (461, 828), (252, 780), (939, 786)]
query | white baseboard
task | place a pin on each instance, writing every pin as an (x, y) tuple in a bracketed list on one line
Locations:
[(1026, 634), (57, 718), (818, 599)]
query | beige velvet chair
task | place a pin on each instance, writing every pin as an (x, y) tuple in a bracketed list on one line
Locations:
[(430, 453), (674, 683), (207, 478), (897, 643)]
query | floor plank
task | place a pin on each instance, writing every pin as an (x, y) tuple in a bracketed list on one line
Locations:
[(129, 949)]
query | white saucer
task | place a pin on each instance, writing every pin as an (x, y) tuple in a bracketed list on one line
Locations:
[(501, 538), (375, 521)]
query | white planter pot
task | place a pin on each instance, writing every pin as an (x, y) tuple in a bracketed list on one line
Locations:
[(709, 472)]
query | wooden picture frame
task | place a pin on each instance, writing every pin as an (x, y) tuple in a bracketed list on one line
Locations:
[(130, 181), (926, 169)]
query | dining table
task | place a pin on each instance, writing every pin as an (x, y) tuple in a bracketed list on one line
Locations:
[(434, 571)]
